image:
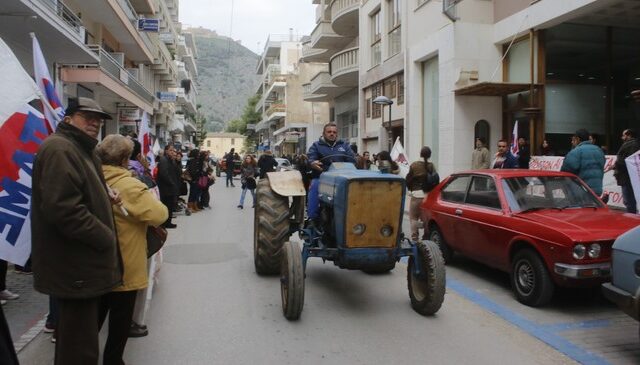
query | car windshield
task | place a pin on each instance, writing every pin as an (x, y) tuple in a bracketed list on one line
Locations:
[(529, 193)]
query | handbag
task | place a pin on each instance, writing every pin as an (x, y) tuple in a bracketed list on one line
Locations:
[(156, 237), (203, 182)]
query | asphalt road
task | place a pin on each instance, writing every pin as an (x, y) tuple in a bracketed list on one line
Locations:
[(211, 308)]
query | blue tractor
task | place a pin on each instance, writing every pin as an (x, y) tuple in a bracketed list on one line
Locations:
[(361, 215)]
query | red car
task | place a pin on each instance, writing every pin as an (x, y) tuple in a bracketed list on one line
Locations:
[(545, 228)]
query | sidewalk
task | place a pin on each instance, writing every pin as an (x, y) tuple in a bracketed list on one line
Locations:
[(25, 315)]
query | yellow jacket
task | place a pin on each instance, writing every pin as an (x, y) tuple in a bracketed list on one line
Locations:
[(144, 210)]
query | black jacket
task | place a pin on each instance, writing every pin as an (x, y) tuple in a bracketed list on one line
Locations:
[(266, 163), (620, 168), (167, 181)]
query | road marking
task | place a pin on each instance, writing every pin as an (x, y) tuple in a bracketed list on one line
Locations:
[(543, 333), (571, 326), (28, 336)]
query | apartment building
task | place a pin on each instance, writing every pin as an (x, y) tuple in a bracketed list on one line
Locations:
[(97, 49), (220, 143), (475, 67), (289, 124), (334, 46)]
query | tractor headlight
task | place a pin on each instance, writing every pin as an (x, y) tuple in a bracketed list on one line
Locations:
[(386, 230), (579, 251), (594, 250), (359, 229)]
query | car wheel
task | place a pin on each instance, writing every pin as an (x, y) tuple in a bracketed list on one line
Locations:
[(530, 279), (436, 237)]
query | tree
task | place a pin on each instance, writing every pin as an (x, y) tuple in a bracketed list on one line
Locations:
[(249, 116)]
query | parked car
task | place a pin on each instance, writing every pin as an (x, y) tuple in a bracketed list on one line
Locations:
[(283, 164), (624, 288), (221, 166), (544, 228)]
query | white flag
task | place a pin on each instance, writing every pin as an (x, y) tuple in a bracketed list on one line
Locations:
[(53, 109), (633, 166), (400, 157)]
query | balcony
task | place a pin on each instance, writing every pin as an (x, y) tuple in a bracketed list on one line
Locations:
[(190, 62), (321, 84), (323, 37), (183, 74), (308, 95), (163, 65), (345, 17), (111, 75), (310, 54), (184, 99), (276, 110), (344, 68)]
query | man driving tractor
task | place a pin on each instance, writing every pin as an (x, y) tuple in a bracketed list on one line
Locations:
[(322, 153)]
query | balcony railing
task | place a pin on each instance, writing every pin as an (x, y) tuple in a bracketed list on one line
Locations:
[(338, 7), (129, 11), (344, 61), (109, 65), (276, 107), (64, 13)]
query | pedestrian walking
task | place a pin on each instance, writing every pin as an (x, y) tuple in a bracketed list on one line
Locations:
[(586, 161), (417, 174), (143, 210), (504, 159), (229, 161), (629, 146), (266, 163), (480, 157), (75, 253), (248, 179)]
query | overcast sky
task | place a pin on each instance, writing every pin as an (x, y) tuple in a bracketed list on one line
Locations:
[(253, 20)]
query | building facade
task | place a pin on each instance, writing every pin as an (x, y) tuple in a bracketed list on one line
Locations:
[(289, 124), (124, 54), (220, 143)]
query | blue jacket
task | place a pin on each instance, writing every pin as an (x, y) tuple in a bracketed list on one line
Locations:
[(510, 162), (340, 151), (586, 161)]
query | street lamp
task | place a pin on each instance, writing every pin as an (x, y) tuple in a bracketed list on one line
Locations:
[(383, 100)]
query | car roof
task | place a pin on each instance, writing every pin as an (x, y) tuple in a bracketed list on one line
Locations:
[(508, 173)]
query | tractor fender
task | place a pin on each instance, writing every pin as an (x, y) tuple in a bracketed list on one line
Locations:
[(286, 183)]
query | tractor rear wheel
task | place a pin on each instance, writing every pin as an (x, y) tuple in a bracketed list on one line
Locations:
[(270, 229), (427, 289), (292, 281)]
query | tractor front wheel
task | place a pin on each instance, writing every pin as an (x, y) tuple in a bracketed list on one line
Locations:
[(426, 289), (292, 281), (270, 229)]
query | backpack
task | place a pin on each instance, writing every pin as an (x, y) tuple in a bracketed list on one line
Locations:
[(431, 180)]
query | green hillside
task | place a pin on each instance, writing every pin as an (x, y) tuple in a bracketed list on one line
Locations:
[(226, 77)]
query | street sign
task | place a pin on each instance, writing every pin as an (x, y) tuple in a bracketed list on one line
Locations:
[(167, 96), (149, 25), (128, 116)]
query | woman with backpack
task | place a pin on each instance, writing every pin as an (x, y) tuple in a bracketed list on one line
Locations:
[(248, 174), (420, 179)]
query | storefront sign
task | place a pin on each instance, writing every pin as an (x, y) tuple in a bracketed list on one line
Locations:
[(149, 25), (291, 137), (128, 116), (166, 37), (167, 96), (609, 185)]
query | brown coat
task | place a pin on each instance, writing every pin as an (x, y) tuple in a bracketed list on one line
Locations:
[(74, 248)]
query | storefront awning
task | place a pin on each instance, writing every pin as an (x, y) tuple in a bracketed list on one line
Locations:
[(493, 89)]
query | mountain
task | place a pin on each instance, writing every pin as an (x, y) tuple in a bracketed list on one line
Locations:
[(226, 77)]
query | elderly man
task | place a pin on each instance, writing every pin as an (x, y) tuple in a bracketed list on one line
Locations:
[(586, 160), (326, 150), (75, 252)]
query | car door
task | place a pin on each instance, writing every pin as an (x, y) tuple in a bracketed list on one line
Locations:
[(450, 202), (479, 222)]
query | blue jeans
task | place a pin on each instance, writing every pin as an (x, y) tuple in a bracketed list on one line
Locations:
[(313, 204), (244, 192), (629, 199)]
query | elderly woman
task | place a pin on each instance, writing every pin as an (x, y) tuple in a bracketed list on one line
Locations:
[(143, 210)]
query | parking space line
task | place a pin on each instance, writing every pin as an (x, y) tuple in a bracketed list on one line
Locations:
[(543, 333), (561, 327)]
